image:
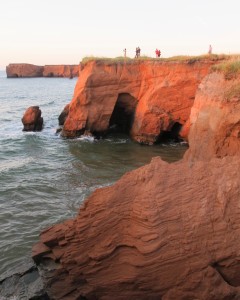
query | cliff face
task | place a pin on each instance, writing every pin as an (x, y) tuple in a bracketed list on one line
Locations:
[(23, 70), (164, 231), (146, 97), (215, 119), (28, 70), (61, 71)]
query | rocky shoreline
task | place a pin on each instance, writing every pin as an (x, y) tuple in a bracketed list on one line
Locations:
[(163, 231)]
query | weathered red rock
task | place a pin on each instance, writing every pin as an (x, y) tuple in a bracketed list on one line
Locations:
[(164, 231), (61, 71), (24, 70), (29, 70), (32, 120), (151, 236), (215, 119), (160, 95)]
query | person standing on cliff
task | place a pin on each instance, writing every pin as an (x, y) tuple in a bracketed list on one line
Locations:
[(136, 55), (139, 50), (125, 52), (210, 50)]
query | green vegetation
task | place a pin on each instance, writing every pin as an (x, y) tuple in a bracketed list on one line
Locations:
[(233, 92), (180, 58), (230, 67)]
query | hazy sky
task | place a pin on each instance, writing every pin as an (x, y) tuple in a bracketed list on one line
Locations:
[(62, 32)]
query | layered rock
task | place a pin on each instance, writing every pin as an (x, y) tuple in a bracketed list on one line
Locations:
[(149, 96), (151, 236), (29, 70), (215, 119), (32, 120)]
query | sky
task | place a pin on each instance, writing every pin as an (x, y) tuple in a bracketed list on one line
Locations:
[(63, 32)]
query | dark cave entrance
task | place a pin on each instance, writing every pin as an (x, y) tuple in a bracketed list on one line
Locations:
[(171, 135), (123, 114)]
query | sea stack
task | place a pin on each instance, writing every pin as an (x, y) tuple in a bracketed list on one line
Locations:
[(32, 120)]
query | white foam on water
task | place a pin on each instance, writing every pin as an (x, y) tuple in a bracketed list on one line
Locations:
[(8, 165)]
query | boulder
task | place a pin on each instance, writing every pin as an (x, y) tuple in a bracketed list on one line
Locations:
[(32, 120)]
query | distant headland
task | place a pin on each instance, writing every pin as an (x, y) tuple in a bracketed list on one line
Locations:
[(29, 70)]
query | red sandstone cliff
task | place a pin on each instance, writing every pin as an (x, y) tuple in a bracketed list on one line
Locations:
[(154, 95), (61, 71), (28, 70), (215, 119), (24, 70), (164, 231)]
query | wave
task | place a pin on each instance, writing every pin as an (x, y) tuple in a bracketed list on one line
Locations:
[(12, 165)]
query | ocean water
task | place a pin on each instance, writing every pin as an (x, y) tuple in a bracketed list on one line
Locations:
[(45, 178)]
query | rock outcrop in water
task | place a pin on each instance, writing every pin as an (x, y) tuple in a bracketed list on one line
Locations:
[(144, 98), (29, 70), (32, 120), (164, 231)]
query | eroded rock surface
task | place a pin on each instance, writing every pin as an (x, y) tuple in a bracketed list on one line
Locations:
[(32, 120), (150, 96), (151, 236), (215, 119), (164, 231)]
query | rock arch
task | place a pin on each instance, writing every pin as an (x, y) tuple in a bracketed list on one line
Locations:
[(172, 133)]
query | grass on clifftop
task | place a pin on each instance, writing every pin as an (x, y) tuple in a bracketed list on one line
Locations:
[(180, 58), (234, 92), (230, 67)]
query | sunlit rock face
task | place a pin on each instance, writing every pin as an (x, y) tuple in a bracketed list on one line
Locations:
[(215, 119), (142, 98), (164, 231)]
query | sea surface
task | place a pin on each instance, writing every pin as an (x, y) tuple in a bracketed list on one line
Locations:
[(44, 178)]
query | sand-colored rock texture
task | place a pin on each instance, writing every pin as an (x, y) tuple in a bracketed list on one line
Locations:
[(153, 96), (29, 70), (164, 231)]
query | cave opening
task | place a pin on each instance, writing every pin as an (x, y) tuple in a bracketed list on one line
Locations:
[(123, 114), (171, 135)]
